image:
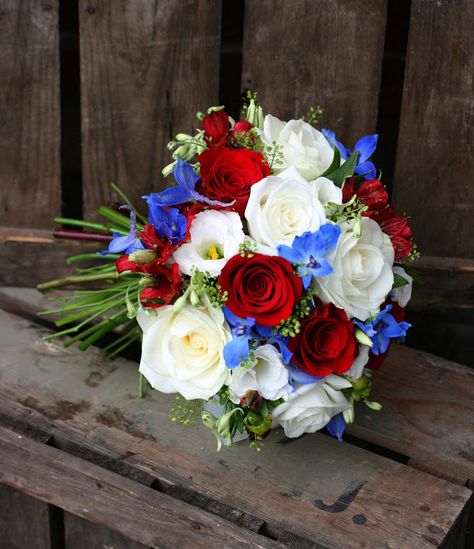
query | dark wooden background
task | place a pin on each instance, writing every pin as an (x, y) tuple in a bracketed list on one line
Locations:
[(92, 90)]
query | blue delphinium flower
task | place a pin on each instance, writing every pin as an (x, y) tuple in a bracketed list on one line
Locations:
[(382, 329), (336, 426), (308, 251), (185, 191), (169, 223), (126, 243), (238, 349), (365, 146)]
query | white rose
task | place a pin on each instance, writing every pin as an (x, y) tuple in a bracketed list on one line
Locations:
[(268, 375), (215, 238), (402, 294), (357, 368), (183, 352), (301, 145), (363, 275), (281, 207), (311, 407), (325, 191)]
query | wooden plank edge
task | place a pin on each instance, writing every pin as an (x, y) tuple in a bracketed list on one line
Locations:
[(86, 490)]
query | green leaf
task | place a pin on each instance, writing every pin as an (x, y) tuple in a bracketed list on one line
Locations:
[(339, 175), (399, 281), (335, 164)]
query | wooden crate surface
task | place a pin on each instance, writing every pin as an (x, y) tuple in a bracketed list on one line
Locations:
[(314, 492)]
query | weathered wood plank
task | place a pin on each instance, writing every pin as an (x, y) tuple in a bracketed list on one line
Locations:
[(91, 407), (80, 534), (137, 512), (146, 68), (329, 52), (435, 157), (24, 521), (30, 192), (427, 414), (35, 256)]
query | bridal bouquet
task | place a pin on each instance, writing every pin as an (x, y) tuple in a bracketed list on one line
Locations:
[(267, 279)]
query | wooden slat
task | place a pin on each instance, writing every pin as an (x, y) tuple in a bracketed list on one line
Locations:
[(147, 67), (328, 52), (35, 256), (81, 534), (91, 492), (427, 414), (24, 521), (435, 159), (30, 192), (90, 408)]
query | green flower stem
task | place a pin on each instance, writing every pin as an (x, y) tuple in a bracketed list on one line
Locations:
[(83, 257), (75, 279), (80, 223)]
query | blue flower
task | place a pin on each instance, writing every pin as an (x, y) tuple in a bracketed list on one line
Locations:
[(365, 146), (126, 244), (169, 223), (186, 178), (238, 349), (336, 426), (308, 252), (280, 341), (382, 329)]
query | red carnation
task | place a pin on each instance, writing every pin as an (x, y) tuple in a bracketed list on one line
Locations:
[(397, 228), (261, 287), (325, 343), (216, 127), (228, 174), (371, 193), (166, 287)]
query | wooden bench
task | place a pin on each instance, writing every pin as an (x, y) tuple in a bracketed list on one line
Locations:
[(90, 463)]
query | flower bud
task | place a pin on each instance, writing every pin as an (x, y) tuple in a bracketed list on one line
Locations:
[(194, 298), (376, 406), (255, 115), (361, 383), (143, 256), (363, 338), (348, 415)]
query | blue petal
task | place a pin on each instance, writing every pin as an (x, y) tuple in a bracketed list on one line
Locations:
[(264, 331), (185, 175), (331, 138), (170, 197), (330, 233), (236, 351), (301, 377), (121, 243), (286, 354), (336, 426), (324, 268), (135, 246), (367, 169), (234, 320), (366, 147), (306, 276), (293, 255)]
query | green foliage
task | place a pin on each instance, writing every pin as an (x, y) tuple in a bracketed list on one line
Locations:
[(203, 284), (339, 174), (399, 281), (313, 115), (185, 411)]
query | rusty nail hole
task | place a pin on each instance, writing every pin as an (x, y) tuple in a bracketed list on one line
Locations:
[(99, 485), (424, 508), (359, 519), (91, 10), (195, 526)]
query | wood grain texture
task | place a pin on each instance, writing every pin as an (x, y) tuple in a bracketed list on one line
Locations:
[(91, 492), (24, 521), (427, 414), (35, 256), (306, 52), (30, 191), (147, 67), (90, 408), (435, 157), (81, 534)]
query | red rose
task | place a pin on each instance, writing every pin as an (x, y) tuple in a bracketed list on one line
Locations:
[(396, 227), (325, 343), (166, 287), (228, 174), (216, 127), (398, 313), (261, 287)]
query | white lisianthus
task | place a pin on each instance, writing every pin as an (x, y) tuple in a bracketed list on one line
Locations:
[(183, 352), (281, 207), (357, 368), (326, 191), (402, 294), (363, 275), (215, 238), (268, 375), (311, 407), (301, 145)]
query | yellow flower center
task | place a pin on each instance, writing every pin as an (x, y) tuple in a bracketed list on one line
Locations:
[(214, 252)]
